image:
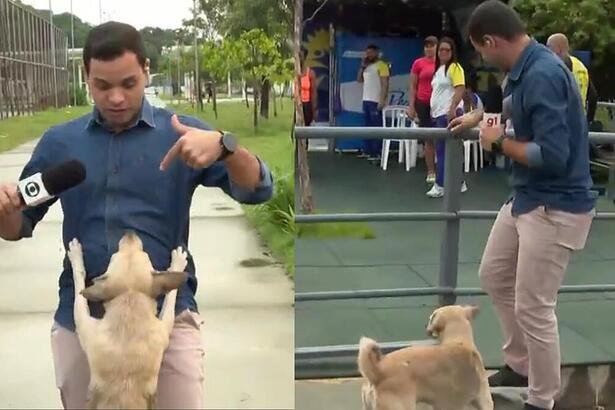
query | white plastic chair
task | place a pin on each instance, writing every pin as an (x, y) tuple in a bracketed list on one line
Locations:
[(398, 115), (472, 145)]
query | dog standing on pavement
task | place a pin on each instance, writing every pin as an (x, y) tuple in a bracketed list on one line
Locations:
[(448, 376), (125, 348)]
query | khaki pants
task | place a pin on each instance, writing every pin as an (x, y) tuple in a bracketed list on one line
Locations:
[(522, 268), (180, 384)]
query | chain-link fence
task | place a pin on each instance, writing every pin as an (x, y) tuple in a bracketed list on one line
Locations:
[(32, 76)]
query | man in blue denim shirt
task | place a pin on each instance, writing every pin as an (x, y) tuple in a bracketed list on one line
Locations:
[(143, 165), (550, 212)]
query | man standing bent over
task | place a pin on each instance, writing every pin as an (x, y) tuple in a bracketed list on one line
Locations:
[(550, 211)]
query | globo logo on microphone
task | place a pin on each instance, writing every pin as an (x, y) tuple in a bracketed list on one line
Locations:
[(32, 189)]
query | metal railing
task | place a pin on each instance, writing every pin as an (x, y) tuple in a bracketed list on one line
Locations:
[(33, 62), (307, 358)]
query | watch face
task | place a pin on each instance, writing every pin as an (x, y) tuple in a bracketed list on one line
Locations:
[(229, 142)]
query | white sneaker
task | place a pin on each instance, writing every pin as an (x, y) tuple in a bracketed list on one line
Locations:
[(431, 178), (464, 187), (436, 191)]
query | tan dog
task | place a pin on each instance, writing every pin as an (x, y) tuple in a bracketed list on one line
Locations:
[(124, 349), (448, 376)]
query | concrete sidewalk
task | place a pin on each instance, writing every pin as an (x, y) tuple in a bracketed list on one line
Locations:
[(249, 321)]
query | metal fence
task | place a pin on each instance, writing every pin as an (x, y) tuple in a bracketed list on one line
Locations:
[(32, 76), (318, 361)]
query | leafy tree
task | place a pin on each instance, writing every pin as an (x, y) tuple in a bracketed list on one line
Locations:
[(588, 25), (260, 58)]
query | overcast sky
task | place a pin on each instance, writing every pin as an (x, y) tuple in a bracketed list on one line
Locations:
[(139, 13)]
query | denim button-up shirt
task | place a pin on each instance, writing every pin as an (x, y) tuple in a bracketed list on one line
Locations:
[(125, 189), (547, 112)]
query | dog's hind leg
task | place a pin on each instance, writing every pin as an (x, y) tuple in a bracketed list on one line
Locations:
[(179, 261), (83, 321)]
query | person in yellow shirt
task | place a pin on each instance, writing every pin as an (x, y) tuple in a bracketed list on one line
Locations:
[(558, 43), (448, 88), (374, 74)]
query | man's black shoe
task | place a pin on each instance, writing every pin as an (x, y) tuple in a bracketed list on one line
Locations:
[(507, 377), (531, 407)]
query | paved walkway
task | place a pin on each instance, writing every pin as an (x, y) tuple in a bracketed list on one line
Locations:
[(249, 322)]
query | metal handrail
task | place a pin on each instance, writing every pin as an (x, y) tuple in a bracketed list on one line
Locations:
[(409, 133), (452, 215)]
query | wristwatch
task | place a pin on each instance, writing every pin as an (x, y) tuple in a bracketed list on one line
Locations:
[(496, 146), (228, 142)]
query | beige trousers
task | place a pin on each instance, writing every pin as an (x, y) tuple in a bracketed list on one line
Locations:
[(180, 384), (522, 268)]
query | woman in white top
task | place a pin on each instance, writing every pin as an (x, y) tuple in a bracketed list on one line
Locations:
[(448, 87)]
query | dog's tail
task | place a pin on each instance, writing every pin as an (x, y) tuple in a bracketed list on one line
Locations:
[(369, 360)]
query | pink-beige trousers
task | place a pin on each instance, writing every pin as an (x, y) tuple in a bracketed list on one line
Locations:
[(180, 383), (522, 269)]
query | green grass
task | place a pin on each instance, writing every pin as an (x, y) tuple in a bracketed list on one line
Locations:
[(273, 220), (19, 130), (355, 230)]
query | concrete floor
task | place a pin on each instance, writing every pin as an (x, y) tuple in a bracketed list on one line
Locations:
[(249, 322)]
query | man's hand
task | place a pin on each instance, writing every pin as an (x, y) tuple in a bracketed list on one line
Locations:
[(488, 135), (10, 200), (465, 122), (381, 106), (452, 114), (198, 148)]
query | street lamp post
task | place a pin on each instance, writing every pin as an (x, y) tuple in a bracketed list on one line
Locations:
[(53, 55)]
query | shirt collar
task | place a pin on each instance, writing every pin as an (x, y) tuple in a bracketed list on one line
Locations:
[(519, 66), (146, 116)]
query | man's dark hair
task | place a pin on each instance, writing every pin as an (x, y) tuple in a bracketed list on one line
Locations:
[(110, 40), (372, 47), (495, 18)]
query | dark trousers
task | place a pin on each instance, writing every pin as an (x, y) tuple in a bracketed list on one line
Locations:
[(373, 118)]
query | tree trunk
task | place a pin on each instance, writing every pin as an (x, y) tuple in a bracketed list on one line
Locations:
[(302, 168), (215, 97), (255, 98), (264, 94), (199, 94), (245, 93), (275, 105)]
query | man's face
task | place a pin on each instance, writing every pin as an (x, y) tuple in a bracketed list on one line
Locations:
[(118, 87), (488, 51), (430, 50), (371, 54)]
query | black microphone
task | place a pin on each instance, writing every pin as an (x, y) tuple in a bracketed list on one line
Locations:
[(492, 116), (43, 186)]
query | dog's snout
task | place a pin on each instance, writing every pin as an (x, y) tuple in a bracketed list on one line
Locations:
[(130, 240), (130, 235)]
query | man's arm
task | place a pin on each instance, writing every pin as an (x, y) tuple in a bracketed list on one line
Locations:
[(17, 221), (361, 70), (384, 87), (546, 103), (384, 73)]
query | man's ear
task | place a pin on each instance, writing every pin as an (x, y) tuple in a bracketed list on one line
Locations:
[(163, 282), (101, 290)]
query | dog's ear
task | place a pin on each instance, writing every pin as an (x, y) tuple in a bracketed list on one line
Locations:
[(435, 325), (471, 311), (163, 282), (101, 290)]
